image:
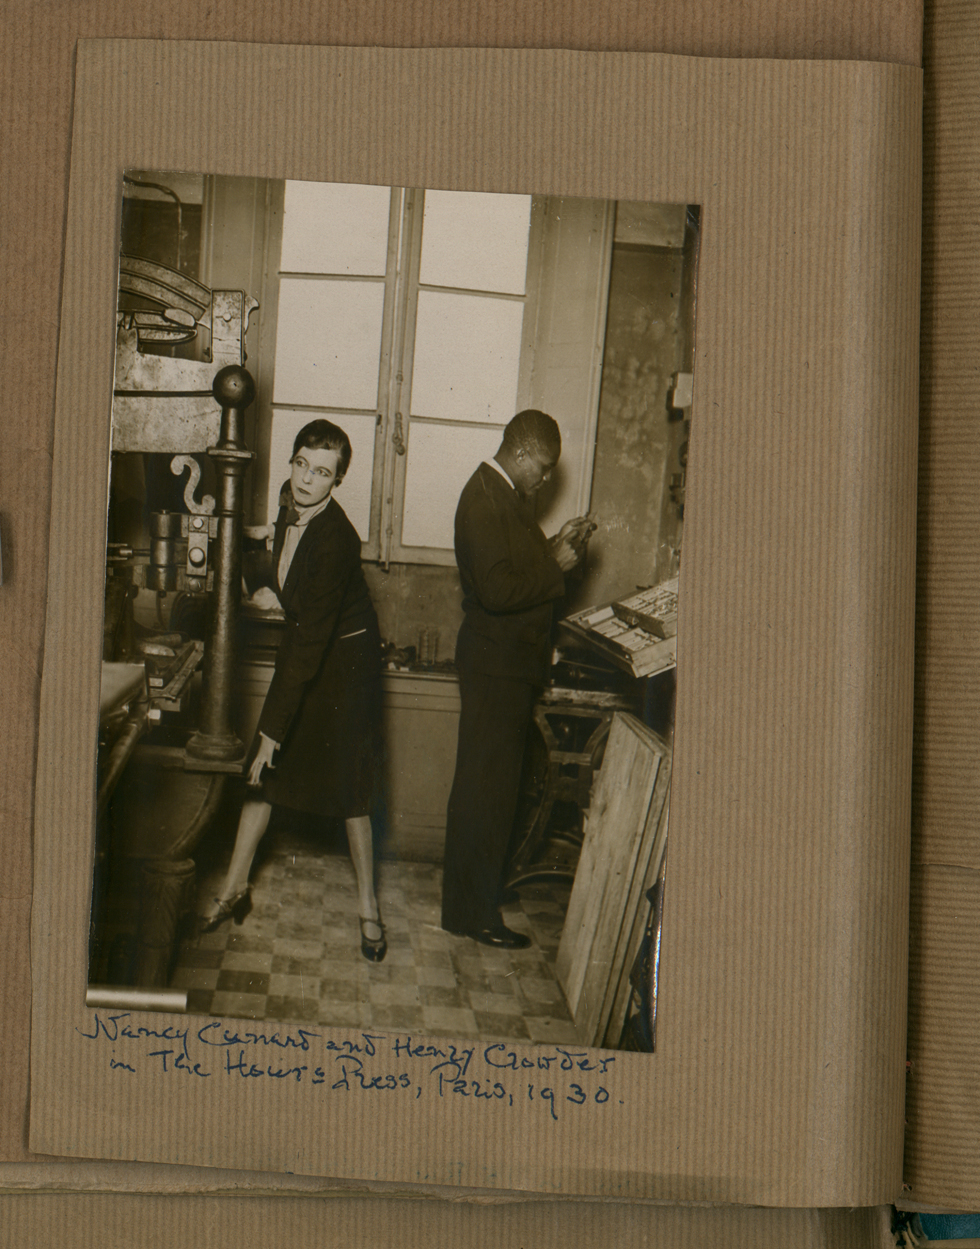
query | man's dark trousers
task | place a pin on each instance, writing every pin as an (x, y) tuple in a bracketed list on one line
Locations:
[(494, 718)]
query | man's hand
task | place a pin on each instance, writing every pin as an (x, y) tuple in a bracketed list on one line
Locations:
[(569, 543), (578, 529), (566, 556)]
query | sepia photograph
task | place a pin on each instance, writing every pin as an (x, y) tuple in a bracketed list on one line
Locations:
[(393, 554)]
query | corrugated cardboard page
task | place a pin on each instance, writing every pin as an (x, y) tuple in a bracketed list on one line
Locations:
[(39, 43), (944, 1017), (363, 1221), (778, 1076), (39, 57)]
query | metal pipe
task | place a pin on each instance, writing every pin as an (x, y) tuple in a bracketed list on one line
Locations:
[(234, 389), (107, 997), (119, 755)]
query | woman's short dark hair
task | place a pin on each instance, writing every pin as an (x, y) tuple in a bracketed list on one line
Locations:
[(325, 436)]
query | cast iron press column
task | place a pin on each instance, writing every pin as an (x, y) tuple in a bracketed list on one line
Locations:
[(234, 390)]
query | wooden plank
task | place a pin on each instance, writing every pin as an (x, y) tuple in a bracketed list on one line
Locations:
[(636, 911), (599, 922), (616, 1006), (620, 800)]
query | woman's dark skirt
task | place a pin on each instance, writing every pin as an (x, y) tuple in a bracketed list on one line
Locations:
[(329, 763)]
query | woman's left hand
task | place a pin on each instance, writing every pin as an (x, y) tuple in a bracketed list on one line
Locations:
[(263, 758)]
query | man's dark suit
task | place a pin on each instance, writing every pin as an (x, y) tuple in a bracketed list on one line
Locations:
[(503, 651)]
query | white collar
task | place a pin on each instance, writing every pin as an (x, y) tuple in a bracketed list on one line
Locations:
[(502, 471), (306, 514)]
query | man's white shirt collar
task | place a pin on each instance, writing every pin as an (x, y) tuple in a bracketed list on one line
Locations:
[(503, 472)]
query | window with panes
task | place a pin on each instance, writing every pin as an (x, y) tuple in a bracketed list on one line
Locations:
[(415, 320)]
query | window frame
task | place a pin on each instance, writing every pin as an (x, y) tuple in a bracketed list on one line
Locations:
[(393, 420)]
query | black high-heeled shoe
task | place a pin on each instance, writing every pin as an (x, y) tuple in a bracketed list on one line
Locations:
[(373, 949), (235, 908)]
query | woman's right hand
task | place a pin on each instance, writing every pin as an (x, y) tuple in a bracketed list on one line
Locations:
[(263, 599), (263, 758)]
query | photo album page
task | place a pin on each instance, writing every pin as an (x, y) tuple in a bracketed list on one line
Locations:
[(476, 706)]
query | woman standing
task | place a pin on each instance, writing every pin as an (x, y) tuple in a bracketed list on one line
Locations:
[(316, 745)]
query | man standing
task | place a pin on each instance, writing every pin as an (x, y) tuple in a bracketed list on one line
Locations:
[(511, 576)]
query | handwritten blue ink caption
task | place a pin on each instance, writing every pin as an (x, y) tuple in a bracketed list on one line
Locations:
[(553, 1077)]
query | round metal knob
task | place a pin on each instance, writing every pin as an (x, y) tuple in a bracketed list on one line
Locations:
[(233, 387)]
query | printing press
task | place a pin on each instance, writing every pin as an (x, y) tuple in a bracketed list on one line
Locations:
[(173, 585)]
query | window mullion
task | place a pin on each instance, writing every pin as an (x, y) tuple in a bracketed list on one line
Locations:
[(434, 555), (406, 304), (386, 385)]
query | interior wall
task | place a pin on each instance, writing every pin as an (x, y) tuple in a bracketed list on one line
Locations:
[(679, 426), (644, 348), (410, 596), (563, 338)]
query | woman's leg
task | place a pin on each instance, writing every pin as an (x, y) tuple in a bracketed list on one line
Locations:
[(252, 823), (361, 843)]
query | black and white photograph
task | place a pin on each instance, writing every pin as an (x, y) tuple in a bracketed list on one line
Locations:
[(393, 561)]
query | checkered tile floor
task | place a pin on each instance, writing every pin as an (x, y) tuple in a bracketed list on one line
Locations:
[(296, 957)]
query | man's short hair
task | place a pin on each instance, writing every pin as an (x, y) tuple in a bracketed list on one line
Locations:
[(532, 429), (324, 435)]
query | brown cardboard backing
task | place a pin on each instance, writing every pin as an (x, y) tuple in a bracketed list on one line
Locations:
[(35, 113), (362, 1223), (781, 1022), (943, 1108)]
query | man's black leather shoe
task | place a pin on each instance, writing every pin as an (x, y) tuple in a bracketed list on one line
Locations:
[(499, 936)]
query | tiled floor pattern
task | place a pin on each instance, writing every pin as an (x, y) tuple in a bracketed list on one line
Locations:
[(297, 957)]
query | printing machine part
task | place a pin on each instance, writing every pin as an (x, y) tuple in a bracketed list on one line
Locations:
[(163, 403)]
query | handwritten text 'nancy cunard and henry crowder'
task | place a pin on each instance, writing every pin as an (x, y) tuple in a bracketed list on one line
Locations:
[(494, 1075)]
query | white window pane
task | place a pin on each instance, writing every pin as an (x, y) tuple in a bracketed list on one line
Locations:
[(328, 342), (475, 241), (441, 460), (335, 227), (467, 356), (354, 492)]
